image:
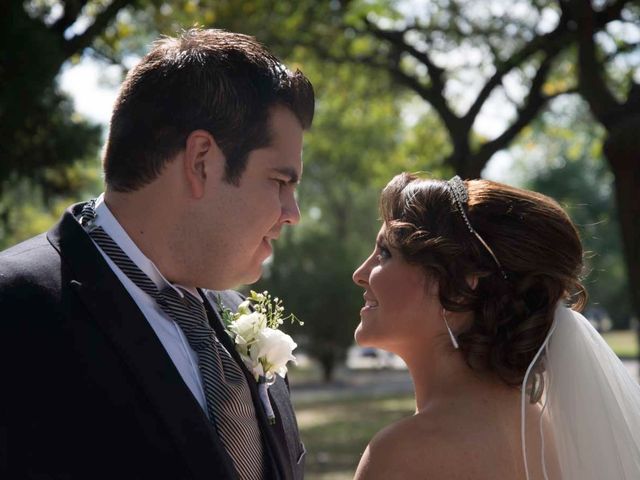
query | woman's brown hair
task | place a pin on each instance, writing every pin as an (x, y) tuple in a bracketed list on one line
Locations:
[(536, 243)]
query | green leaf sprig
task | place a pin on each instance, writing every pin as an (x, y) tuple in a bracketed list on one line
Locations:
[(272, 309)]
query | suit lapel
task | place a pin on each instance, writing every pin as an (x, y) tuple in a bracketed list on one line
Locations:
[(113, 309), (275, 447)]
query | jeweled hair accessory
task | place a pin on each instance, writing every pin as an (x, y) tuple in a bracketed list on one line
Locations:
[(460, 197)]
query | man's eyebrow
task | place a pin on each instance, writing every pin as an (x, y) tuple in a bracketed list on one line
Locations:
[(288, 172)]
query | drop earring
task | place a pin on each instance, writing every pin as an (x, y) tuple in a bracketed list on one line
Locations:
[(454, 341)]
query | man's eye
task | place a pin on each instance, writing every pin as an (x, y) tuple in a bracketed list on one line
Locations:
[(280, 182)]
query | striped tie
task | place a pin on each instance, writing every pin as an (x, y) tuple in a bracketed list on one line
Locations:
[(229, 404)]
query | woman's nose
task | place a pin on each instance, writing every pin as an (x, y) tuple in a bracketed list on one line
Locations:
[(361, 275)]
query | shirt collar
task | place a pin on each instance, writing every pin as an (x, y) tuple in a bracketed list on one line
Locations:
[(109, 223)]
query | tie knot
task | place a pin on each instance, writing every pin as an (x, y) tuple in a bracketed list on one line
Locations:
[(190, 315), (169, 295)]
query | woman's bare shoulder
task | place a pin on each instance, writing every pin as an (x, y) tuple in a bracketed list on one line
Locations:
[(410, 448), (425, 447)]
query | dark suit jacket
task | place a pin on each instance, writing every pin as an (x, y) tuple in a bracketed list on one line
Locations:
[(87, 389)]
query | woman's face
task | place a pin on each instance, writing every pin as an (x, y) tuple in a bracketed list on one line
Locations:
[(399, 300)]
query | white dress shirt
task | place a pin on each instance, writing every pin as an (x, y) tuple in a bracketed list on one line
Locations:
[(170, 335)]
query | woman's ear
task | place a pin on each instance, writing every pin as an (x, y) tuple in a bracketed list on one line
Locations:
[(472, 281)]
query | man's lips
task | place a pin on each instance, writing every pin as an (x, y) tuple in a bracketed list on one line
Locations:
[(272, 235), (266, 241)]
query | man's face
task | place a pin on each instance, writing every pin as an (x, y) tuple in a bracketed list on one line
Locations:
[(245, 219)]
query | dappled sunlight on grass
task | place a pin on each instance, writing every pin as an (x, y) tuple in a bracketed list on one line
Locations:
[(623, 342), (336, 432)]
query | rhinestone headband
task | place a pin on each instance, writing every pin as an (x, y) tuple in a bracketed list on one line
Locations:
[(459, 198)]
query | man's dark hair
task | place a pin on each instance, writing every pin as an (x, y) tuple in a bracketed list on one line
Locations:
[(222, 82)]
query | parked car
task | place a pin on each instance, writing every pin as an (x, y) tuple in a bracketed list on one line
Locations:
[(359, 358), (599, 318)]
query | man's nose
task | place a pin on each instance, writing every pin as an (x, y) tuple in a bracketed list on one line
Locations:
[(291, 211)]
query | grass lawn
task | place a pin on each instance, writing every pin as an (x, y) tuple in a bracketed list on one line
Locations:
[(623, 342), (335, 433)]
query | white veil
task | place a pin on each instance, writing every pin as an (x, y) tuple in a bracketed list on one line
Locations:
[(591, 401)]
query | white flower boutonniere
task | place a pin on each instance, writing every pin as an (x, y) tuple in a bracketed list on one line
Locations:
[(264, 349)]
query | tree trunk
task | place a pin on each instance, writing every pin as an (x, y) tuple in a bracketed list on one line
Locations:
[(328, 363), (622, 150)]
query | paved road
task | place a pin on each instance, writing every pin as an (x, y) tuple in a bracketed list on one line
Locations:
[(354, 383), (372, 383)]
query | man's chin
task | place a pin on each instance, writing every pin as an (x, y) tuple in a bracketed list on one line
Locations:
[(245, 278), (252, 277)]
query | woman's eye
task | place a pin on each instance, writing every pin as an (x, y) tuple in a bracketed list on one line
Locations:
[(383, 253)]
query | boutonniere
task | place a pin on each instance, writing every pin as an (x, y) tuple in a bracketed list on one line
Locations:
[(264, 349)]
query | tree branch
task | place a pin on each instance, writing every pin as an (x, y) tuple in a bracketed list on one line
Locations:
[(533, 104), (103, 56), (434, 94), (396, 38), (568, 91), (80, 42), (547, 43), (72, 9), (590, 72), (626, 48), (612, 12)]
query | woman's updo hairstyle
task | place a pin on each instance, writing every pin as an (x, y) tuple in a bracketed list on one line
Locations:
[(537, 246)]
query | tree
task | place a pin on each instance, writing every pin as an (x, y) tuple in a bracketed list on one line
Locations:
[(616, 105), (431, 48), (561, 154), (29, 207), (39, 129)]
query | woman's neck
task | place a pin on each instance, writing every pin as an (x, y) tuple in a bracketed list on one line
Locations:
[(441, 376)]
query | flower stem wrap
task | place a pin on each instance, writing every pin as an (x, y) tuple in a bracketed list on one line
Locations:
[(264, 398)]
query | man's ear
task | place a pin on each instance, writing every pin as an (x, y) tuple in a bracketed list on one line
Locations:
[(203, 161), (472, 281)]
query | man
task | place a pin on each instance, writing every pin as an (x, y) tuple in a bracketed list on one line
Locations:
[(114, 362)]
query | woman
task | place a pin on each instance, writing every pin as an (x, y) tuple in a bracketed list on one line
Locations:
[(468, 283)]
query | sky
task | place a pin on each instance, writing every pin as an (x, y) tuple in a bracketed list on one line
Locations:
[(93, 87)]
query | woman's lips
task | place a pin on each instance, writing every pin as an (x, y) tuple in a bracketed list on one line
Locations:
[(369, 304)]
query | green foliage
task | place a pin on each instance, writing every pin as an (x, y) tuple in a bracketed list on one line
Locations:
[(575, 173), (49, 136), (43, 142), (29, 207), (425, 146), (39, 128)]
